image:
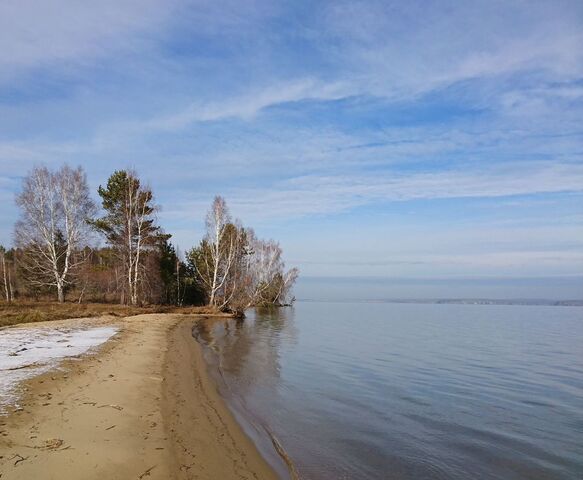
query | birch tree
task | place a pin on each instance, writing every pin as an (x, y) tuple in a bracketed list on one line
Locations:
[(129, 226), (218, 249), (235, 288), (283, 284), (55, 209), (5, 274), (235, 268), (269, 283)]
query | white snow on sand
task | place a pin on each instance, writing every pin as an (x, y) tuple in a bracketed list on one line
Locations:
[(30, 351)]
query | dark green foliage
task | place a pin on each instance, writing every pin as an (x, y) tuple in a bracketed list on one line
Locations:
[(129, 227), (125, 202), (169, 273)]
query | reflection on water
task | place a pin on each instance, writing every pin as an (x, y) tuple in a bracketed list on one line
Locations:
[(408, 391), (247, 351), (244, 358)]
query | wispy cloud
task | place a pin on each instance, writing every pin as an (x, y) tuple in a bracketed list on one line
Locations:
[(321, 195), (249, 105), (492, 261), (64, 32), (449, 45)]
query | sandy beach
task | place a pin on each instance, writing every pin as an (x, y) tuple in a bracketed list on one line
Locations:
[(139, 406)]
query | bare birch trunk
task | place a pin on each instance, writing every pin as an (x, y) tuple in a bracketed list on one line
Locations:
[(60, 293), (11, 296), (217, 219), (5, 278), (178, 302)]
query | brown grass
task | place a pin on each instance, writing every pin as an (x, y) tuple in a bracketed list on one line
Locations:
[(26, 312)]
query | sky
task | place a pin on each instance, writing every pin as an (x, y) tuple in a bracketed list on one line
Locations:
[(418, 140)]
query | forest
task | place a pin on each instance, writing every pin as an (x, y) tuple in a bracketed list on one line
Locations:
[(68, 247)]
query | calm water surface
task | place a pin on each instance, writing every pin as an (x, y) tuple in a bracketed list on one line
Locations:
[(371, 391)]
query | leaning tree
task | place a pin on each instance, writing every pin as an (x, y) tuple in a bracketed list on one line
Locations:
[(235, 268)]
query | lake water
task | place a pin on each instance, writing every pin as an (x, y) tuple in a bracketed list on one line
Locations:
[(408, 391)]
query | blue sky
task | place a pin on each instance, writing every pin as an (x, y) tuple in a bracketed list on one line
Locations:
[(372, 138)]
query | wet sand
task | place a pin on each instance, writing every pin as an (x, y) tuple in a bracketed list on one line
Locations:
[(141, 406)]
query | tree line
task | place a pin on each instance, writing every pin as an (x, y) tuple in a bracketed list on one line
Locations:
[(59, 225)]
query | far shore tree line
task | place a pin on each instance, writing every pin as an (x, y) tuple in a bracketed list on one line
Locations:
[(57, 252)]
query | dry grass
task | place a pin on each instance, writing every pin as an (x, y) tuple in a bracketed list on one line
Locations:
[(26, 312)]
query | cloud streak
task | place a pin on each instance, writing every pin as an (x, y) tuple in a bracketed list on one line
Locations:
[(248, 106), (313, 195)]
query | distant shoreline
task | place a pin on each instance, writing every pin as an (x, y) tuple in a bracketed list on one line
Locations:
[(459, 301)]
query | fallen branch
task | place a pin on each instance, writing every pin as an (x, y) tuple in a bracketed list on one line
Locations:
[(20, 459), (147, 472), (117, 407)]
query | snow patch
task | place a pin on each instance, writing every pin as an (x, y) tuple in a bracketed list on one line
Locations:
[(30, 351)]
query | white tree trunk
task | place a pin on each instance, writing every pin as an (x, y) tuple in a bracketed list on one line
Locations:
[(60, 293), (217, 221), (6, 288), (11, 296)]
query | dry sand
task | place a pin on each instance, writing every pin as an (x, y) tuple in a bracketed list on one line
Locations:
[(141, 407)]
